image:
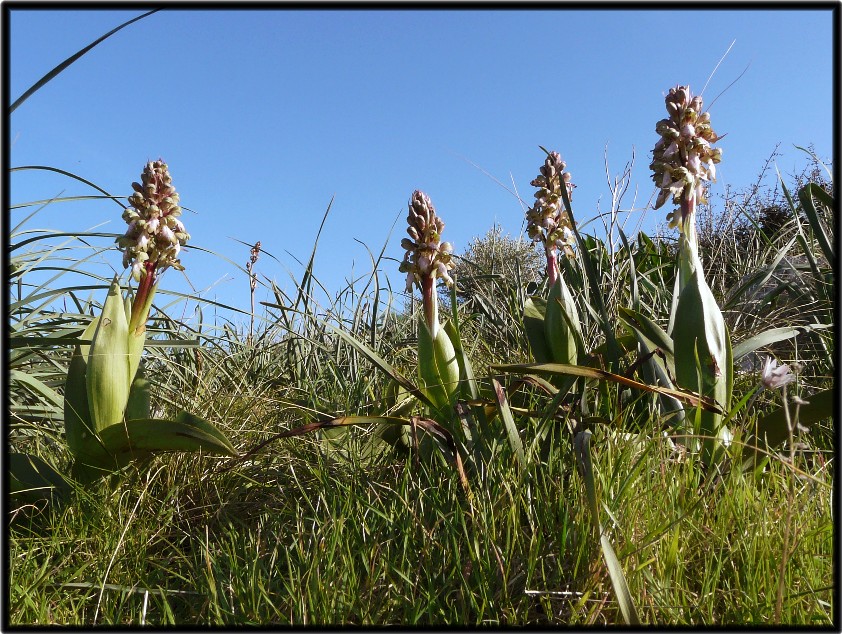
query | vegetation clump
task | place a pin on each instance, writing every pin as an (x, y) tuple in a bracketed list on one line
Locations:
[(625, 434)]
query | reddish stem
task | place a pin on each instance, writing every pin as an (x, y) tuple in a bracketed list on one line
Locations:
[(552, 266), (428, 289), (147, 281)]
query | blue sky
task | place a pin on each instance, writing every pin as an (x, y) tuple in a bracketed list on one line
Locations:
[(264, 116)]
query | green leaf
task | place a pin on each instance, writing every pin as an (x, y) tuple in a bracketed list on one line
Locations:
[(136, 439), (107, 374), (806, 195), (534, 312), (618, 581), (702, 352), (36, 385), (438, 368), (78, 424), (509, 423), (650, 336), (640, 323), (684, 396), (139, 404), (773, 335), (560, 320), (466, 370)]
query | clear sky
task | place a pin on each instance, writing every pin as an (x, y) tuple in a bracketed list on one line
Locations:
[(264, 116)]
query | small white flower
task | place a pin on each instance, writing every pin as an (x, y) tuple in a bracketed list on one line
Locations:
[(774, 376), (137, 267), (166, 233)]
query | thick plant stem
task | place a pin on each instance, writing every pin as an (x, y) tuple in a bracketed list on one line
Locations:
[(552, 267), (430, 304), (143, 299)]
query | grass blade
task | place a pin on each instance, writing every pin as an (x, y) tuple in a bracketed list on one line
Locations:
[(58, 69), (509, 422), (806, 195), (685, 396)]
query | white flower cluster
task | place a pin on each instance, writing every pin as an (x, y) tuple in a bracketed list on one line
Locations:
[(547, 221), (155, 234), (426, 256), (683, 158)]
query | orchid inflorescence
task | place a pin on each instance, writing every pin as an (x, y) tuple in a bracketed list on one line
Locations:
[(155, 234), (426, 256), (683, 158), (547, 220), (548, 223)]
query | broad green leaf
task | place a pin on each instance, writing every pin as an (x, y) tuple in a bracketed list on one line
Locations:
[(557, 331), (469, 388), (139, 404), (640, 323), (702, 351), (136, 439), (655, 369), (107, 374), (466, 370), (438, 368), (78, 424), (534, 311)]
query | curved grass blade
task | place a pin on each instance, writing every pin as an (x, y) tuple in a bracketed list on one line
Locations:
[(46, 78), (685, 396), (773, 335), (36, 385), (47, 168)]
